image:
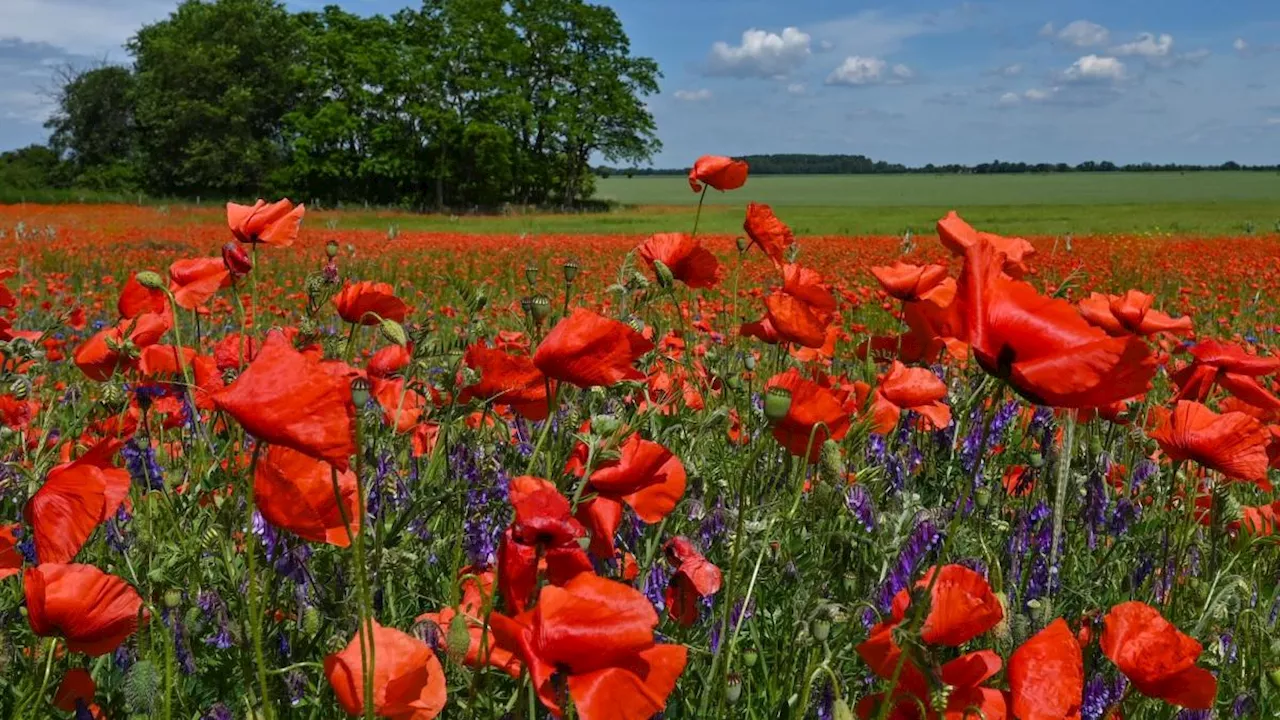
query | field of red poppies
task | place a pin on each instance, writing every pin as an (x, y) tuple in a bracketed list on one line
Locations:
[(256, 465)]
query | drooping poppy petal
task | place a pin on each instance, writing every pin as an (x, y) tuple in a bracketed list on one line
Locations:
[(74, 500), (92, 610), (273, 224), (909, 282), (647, 476), (719, 172), (286, 398), (194, 282), (103, 354), (136, 300), (368, 303), (408, 681), (388, 361), (1046, 675), (771, 234), (962, 607), (234, 351), (506, 379), (1157, 658), (295, 492), (684, 256), (916, 389), (1130, 314), (960, 238), (695, 578), (635, 690), (1233, 443), (588, 350), (592, 622)]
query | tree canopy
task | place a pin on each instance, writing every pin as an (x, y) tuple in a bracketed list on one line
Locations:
[(456, 103)]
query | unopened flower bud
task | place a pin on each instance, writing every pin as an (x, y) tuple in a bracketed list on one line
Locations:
[(735, 384), (150, 280), (777, 403), (360, 392), (311, 618), (983, 497), (458, 639), (743, 244), (665, 278), (831, 466), (1036, 460), (733, 689), (750, 657), (331, 249), (793, 252), (540, 307), (236, 259), (393, 332), (172, 598), (570, 269)]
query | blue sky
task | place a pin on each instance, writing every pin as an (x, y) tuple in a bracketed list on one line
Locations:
[(912, 81)]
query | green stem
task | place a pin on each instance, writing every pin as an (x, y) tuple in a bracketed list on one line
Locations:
[(255, 624), (1060, 503), (697, 217), (362, 578)]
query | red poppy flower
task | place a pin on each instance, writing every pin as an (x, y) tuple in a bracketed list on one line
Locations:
[(915, 389), (816, 414), (771, 234), (963, 677), (1159, 660), (75, 691), (408, 682), (92, 610), (1040, 345), (164, 361), (275, 224), (695, 578), (598, 635), (17, 414), (963, 606), (114, 349), (74, 500), (389, 360), (368, 303), (1130, 314), (961, 238), (295, 492), (1257, 520), (236, 260), (684, 256), (1046, 675), (193, 282), (287, 398), (476, 591), (588, 350), (909, 282), (543, 537), (506, 379), (234, 351), (402, 408), (10, 558), (137, 300), (1215, 363), (1233, 443), (803, 309), (719, 172), (762, 330), (646, 476)]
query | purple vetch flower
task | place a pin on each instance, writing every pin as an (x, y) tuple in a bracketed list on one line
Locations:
[(140, 460), (215, 611), (1244, 704), (825, 708), (875, 452), (1194, 715), (925, 538), (1142, 472), (859, 500), (296, 683), (1122, 516), (181, 644), (1094, 510), (117, 529), (905, 423), (1000, 423), (655, 585), (1101, 696), (1228, 646), (218, 712), (123, 658), (713, 526)]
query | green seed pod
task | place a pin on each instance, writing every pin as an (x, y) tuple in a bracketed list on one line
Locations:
[(141, 687), (734, 689), (750, 657), (735, 384), (743, 244), (540, 308), (1095, 446), (360, 392), (393, 332), (172, 598), (150, 280), (331, 249), (531, 274), (983, 496), (570, 269), (777, 403), (820, 628), (750, 362), (458, 639)]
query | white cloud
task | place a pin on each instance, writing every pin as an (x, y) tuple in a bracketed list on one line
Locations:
[(87, 27), (1240, 45), (1082, 33), (796, 88), (1013, 70), (1147, 45), (761, 54), (1009, 99), (693, 95), (857, 70), (1038, 95), (1273, 121), (1048, 30), (1094, 68)]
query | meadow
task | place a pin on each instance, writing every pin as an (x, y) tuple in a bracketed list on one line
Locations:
[(261, 461)]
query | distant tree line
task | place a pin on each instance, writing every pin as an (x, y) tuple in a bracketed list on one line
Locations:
[(801, 164), (458, 103)]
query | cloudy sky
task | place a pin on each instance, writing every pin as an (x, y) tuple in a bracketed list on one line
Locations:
[(912, 81)]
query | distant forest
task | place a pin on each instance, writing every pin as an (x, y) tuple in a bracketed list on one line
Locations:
[(801, 164)]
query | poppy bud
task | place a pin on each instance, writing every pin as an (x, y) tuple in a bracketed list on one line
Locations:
[(1095, 446), (665, 278), (841, 710), (750, 656), (982, 496), (141, 687), (172, 599), (236, 259), (733, 689), (20, 388), (311, 620), (360, 392), (531, 274), (831, 468), (150, 280), (1273, 677), (540, 307), (458, 639), (743, 244), (570, 269), (393, 332), (750, 362), (777, 403), (331, 249), (1036, 460), (735, 383)]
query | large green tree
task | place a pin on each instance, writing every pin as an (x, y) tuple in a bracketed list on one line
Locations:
[(214, 82), (93, 126)]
